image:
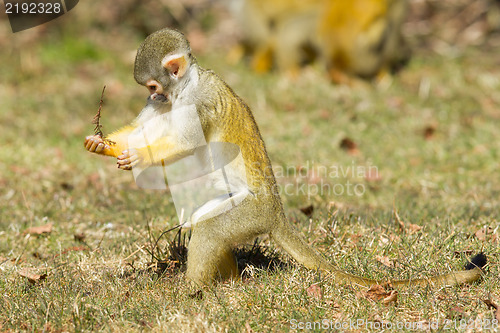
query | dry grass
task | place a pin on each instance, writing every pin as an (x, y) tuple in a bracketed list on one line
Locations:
[(431, 132)]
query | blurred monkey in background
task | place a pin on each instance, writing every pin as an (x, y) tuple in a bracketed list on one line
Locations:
[(349, 38)]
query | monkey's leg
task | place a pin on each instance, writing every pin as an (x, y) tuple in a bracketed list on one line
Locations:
[(210, 256), (262, 60)]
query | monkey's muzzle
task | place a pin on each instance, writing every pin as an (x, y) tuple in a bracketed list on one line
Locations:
[(159, 98)]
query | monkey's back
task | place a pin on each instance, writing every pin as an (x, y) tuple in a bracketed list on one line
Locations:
[(231, 120)]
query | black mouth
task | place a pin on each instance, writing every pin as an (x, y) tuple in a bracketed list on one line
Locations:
[(158, 98)]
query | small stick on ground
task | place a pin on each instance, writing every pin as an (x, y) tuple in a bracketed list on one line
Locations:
[(97, 120)]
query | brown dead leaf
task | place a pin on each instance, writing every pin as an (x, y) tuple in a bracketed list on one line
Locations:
[(350, 146), (384, 260), (392, 298), (376, 293), (456, 312), (43, 229), (324, 114), (484, 233), (355, 238), (315, 291), (290, 107), (32, 277), (332, 304), (308, 211), (492, 304), (412, 228), (75, 249), (429, 132)]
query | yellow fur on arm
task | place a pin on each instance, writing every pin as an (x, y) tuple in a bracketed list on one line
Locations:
[(119, 141), (163, 151)]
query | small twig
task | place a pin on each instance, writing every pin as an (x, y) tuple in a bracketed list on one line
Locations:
[(97, 117), (97, 120)]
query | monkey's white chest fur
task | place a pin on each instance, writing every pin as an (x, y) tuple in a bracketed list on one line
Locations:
[(206, 180)]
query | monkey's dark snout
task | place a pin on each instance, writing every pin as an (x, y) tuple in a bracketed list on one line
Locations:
[(159, 97)]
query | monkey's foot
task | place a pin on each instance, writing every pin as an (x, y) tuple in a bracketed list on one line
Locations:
[(128, 159)]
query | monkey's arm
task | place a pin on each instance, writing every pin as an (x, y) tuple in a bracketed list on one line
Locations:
[(113, 145), (162, 151)]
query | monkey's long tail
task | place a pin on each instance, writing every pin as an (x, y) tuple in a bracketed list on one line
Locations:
[(286, 237)]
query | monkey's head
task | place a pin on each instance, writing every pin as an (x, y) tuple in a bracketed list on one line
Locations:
[(161, 62)]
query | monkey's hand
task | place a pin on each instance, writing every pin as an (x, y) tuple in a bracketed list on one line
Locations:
[(129, 159), (96, 144)]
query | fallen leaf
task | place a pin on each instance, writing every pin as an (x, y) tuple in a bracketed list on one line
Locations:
[(355, 238), (315, 291), (429, 131), (457, 311), (290, 107), (75, 248), (332, 304), (392, 298), (324, 114), (308, 211), (483, 233), (412, 228), (492, 304), (350, 146), (43, 229), (384, 260), (376, 293), (32, 277)]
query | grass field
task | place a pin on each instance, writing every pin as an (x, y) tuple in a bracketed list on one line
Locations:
[(424, 143)]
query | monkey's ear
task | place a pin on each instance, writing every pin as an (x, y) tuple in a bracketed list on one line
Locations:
[(176, 64)]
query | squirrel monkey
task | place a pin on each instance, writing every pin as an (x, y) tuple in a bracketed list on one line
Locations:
[(356, 37), (165, 65)]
